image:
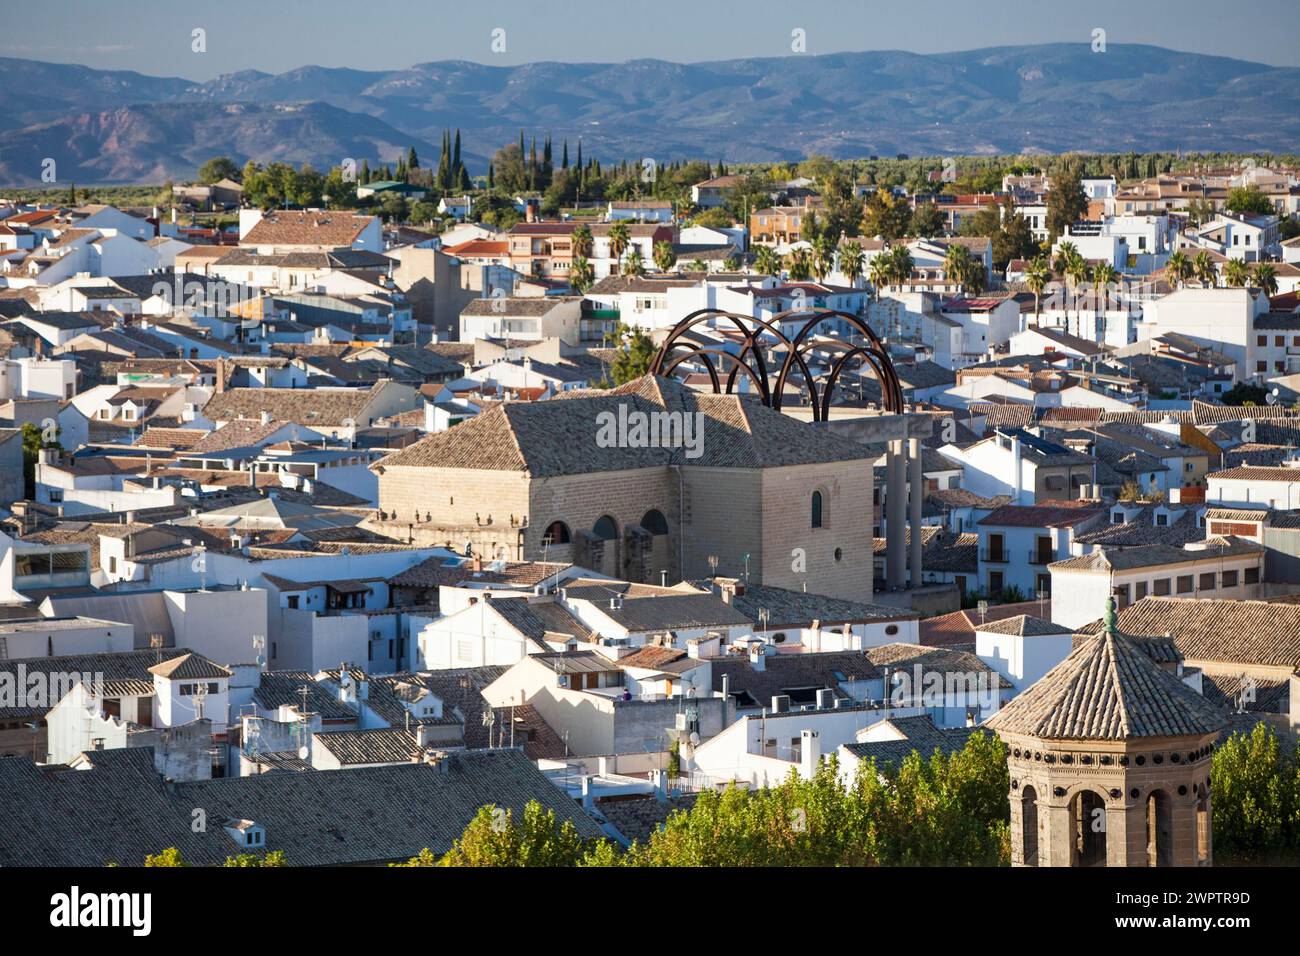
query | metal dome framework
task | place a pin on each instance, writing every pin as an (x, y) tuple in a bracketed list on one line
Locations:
[(750, 360)]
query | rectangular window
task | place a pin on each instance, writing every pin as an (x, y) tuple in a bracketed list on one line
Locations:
[(1207, 581), (1140, 590), (1252, 576), (1229, 579), (292, 601), (1186, 584), (1161, 587)]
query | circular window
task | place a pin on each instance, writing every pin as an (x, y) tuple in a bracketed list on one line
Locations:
[(839, 554), (891, 629), (779, 637)]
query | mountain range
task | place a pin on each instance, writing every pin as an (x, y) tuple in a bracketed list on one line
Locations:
[(105, 126)]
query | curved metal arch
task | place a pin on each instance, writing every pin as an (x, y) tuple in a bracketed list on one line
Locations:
[(820, 391)]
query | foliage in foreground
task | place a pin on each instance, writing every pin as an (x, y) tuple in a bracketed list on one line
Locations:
[(1255, 786), (941, 810)]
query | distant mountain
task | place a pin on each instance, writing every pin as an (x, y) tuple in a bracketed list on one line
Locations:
[(122, 126)]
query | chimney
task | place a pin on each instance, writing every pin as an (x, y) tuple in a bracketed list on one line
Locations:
[(478, 563), (757, 656), (266, 417), (810, 753)]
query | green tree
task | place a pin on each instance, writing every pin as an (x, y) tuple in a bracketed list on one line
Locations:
[(766, 261), (494, 838), (581, 275), (927, 221), (1265, 277), (216, 169), (1248, 200), (799, 264), (634, 358), (1037, 275), (270, 859), (1254, 798), (1236, 273), (1178, 269), (1066, 201), (619, 237), (852, 260), (633, 262), (1204, 269), (664, 255), (169, 857)]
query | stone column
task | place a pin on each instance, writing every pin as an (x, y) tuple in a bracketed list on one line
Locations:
[(896, 515), (916, 483)]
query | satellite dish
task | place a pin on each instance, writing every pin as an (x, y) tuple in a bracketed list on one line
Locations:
[(303, 752), (695, 739)]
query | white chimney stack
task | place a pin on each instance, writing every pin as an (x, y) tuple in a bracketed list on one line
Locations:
[(810, 753)]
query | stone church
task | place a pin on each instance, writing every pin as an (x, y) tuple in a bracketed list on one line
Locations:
[(1109, 757), (697, 485)]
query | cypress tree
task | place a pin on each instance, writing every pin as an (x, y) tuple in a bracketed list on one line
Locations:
[(564, 156)]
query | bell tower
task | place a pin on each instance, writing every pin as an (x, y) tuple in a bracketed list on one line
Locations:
[(1109, 758)]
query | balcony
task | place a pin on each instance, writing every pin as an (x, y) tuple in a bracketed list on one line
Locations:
[(995, 555), (1039, 557)]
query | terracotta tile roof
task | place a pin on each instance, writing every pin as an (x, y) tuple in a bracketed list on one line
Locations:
[(1023, 625), (1219, 630), (1108, 689), (943, 660), (558, 437), (958, 627), (1064, 514), (304, 228)]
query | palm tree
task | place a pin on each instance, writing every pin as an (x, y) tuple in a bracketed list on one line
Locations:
[(851, 261), (823, 256), (957, 265), (1236, 273), (1037, 275), (900, 265), (1077, 272), (633, 262), (619, 237), (766, 261), (582, 241), (698, 266), (1204, 269), (880, 271), (1178, 268), (799, 264), (1103, 277), (1266, 278), (581, 274), (665, 257), (1065, 253)]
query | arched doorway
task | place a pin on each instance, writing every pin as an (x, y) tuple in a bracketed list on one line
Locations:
[(1088, 819), (1160, 829), (1029, 826)]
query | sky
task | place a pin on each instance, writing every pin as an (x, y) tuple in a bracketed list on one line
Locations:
[(155, 36)]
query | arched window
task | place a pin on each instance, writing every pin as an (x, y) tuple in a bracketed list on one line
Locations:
[(1088, 816), (557, 532), (1029, 825), (654, 521), (817, 509), (605, 528)]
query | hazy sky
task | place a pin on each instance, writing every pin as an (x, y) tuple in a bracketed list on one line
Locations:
[(154, 36)]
